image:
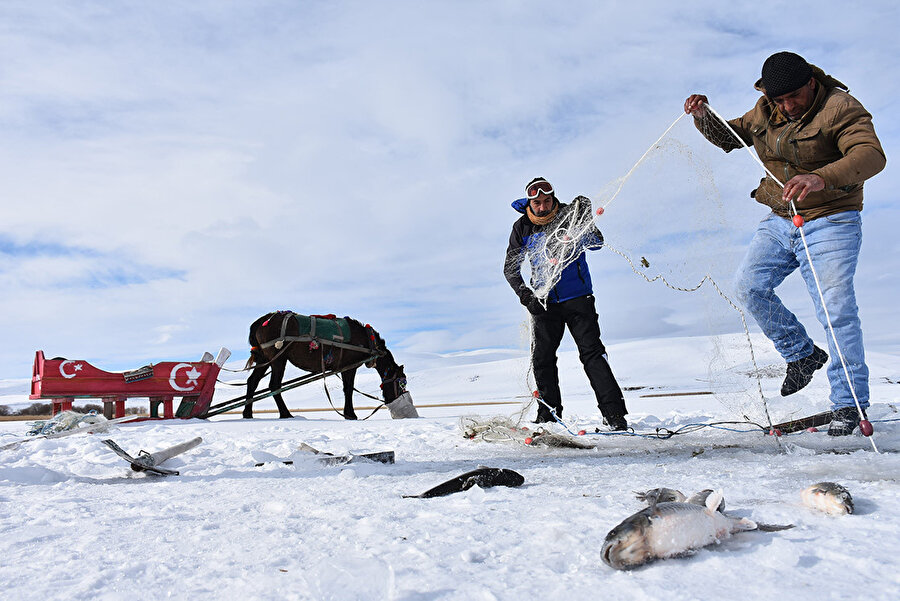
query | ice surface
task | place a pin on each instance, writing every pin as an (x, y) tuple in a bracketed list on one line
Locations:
[(77, 523)]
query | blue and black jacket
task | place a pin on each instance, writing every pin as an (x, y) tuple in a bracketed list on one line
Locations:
[(575, 279)]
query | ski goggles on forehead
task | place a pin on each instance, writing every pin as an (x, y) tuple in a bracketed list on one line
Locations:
[(537, 187)]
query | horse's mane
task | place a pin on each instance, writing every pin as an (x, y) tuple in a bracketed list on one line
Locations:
[(379, 341)]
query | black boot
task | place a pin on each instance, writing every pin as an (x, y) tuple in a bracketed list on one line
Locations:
[(616, 423), (543, 417), (546, 415), (844, 421), (800, 372)]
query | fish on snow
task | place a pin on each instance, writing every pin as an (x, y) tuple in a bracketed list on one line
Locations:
[(669, 529), (660, 495), (699, 498), (666, 495), (483, 477), (830, 497)]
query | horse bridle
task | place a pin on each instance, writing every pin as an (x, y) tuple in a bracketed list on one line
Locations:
[(395, 382)]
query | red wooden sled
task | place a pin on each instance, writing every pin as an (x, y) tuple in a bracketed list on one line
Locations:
[(63, 380)]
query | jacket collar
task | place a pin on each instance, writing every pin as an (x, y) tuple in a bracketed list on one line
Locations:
[(521, 205)]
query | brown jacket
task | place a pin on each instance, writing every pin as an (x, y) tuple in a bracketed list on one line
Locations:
[(835, 139)]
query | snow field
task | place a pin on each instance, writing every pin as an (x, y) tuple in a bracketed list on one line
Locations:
[(79, 524)]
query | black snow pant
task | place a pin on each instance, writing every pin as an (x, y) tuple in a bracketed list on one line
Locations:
[(580, 316)]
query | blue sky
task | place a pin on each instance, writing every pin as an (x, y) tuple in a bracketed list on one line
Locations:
[(170, 172)]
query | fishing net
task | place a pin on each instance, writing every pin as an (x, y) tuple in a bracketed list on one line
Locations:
[(498, 428), (516, 429), (64, 421), (680, 222), (563, 243)]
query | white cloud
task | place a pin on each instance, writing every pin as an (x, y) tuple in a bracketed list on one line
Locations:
[(360, 158)]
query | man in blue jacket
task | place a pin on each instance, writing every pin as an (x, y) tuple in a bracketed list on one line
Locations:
[(569, 303)]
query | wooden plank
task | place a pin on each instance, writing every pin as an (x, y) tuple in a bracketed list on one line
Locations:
[(665, 394), (802, 423), (314, 409)]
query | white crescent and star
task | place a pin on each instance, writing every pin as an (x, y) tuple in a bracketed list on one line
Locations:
[(76, 367), (192, 376)]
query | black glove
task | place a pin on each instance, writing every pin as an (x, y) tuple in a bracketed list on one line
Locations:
[(530, 302), (583, 205), (535, 307)]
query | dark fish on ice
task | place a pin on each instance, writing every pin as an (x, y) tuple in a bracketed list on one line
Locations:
[(485, 477)]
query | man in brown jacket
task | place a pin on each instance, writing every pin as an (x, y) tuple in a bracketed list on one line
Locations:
[(818, 141)]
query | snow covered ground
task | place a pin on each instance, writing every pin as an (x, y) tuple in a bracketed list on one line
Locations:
[(77, 523)]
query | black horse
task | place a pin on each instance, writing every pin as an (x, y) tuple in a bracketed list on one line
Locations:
[(318, 356)]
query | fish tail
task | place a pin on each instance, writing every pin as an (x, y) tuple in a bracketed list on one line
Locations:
[(713, 500)]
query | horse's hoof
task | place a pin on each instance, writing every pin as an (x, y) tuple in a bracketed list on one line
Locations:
[(247, 416), (288, 416), (351, 416)]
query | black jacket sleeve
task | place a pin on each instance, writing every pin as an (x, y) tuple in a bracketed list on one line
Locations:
[(512, 265)]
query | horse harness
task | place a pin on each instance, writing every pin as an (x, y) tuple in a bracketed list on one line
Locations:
[(395, 380), (337, 340), (315, 341)]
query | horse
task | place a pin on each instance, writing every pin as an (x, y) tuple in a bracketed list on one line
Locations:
[(271, 345)]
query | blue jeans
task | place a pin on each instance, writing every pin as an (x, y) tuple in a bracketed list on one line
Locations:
[(774, 253)]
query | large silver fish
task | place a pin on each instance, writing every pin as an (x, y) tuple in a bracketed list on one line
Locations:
[(829, 497), (669, 530)]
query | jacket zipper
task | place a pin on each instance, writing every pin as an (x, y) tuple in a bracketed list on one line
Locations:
[(780, 152)]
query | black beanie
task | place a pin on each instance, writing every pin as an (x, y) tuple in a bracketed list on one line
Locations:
[(784, 72)]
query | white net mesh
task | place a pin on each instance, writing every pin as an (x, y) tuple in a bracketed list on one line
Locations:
[(63, 421), (516, 429), (681, 220), (570, 233)]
